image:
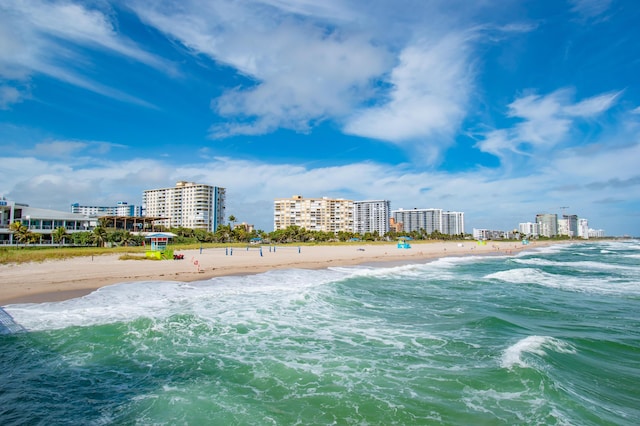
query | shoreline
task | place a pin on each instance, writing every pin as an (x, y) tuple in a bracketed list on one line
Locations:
[(58, 280)]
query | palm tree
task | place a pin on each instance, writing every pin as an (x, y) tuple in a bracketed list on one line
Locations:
[(232, 219), (21, 232), (58, 235), (99, 236)]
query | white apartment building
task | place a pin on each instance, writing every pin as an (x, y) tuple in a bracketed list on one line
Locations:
[(529, 229), (427, 220), (313, 214), (583, 228), (548, 224), (453, 223), (122, 208), (481, 234), (371, 216), (188, 205)]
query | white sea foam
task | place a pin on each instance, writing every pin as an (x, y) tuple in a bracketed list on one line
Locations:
[(514, 355), (570, 283), (581, 265), (157, 299)]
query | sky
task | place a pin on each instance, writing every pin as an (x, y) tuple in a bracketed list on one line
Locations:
[(501, 109)]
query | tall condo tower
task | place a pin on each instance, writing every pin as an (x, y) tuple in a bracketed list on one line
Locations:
[(371, 216), (187, 205)]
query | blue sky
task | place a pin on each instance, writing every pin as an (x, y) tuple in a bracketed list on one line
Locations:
[(501, 109)]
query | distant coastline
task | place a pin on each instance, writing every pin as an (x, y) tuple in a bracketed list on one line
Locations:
[(58, 280)]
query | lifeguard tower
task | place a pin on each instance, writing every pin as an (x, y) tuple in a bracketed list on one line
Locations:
[(403, 243), (158, 245)]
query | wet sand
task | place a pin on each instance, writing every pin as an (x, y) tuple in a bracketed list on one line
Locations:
[(70, 278)]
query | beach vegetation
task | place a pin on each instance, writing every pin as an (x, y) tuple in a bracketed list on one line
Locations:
[(21, 232), (99, 236), (59, 235)]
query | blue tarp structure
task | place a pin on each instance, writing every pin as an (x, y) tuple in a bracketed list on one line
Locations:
[(402, 242)]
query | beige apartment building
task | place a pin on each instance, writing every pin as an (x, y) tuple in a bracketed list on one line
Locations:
[(314, 214), (188, 205)]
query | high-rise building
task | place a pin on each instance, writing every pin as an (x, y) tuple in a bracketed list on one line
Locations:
[(583, 228), (313, 214), (548, 224), (426, 220), (453, 223), (570, 225), (529, 229), (121, 209), (187, 205), (371, 216)]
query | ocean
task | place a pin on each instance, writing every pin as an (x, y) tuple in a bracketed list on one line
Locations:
[(550, 336)]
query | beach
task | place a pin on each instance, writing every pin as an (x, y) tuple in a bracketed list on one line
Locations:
[(66, 279)]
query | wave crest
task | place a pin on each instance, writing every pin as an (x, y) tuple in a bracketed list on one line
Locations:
[(535, 345)]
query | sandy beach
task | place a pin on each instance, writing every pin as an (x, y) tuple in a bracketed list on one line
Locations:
[(70, 278)]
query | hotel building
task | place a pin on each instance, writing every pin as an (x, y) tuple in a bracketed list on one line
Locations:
[(121, 209), (313, 214), (187, 205), (371, 216)]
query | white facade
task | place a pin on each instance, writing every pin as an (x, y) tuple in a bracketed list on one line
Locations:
[(187, 205), (40, 221), (583, 228), (426, 220), (313, 214), (120, 209), (371, 216), (481, 234), (548, 224), (453, 223), (529, 229)]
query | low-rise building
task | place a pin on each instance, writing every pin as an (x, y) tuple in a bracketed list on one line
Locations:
[(122, 208), (40, 221)]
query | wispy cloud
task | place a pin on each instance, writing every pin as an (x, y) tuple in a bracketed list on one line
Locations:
[(42, 37), (300, 71), (430, 86), (543, 121), (10, 95), (589, 9), (70, 149)]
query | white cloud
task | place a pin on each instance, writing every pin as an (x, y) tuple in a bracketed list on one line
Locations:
[(40, 37), (490, 198), (9, 96), (304, 70), (593, 106), (587, 9), (543, 121), (430, 87)]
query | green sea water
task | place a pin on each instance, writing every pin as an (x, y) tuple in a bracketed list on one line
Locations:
[(547, 337)]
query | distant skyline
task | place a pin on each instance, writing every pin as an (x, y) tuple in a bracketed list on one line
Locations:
[(499, 109)]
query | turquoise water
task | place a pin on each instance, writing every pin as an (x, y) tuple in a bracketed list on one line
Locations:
[(547, 337)]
